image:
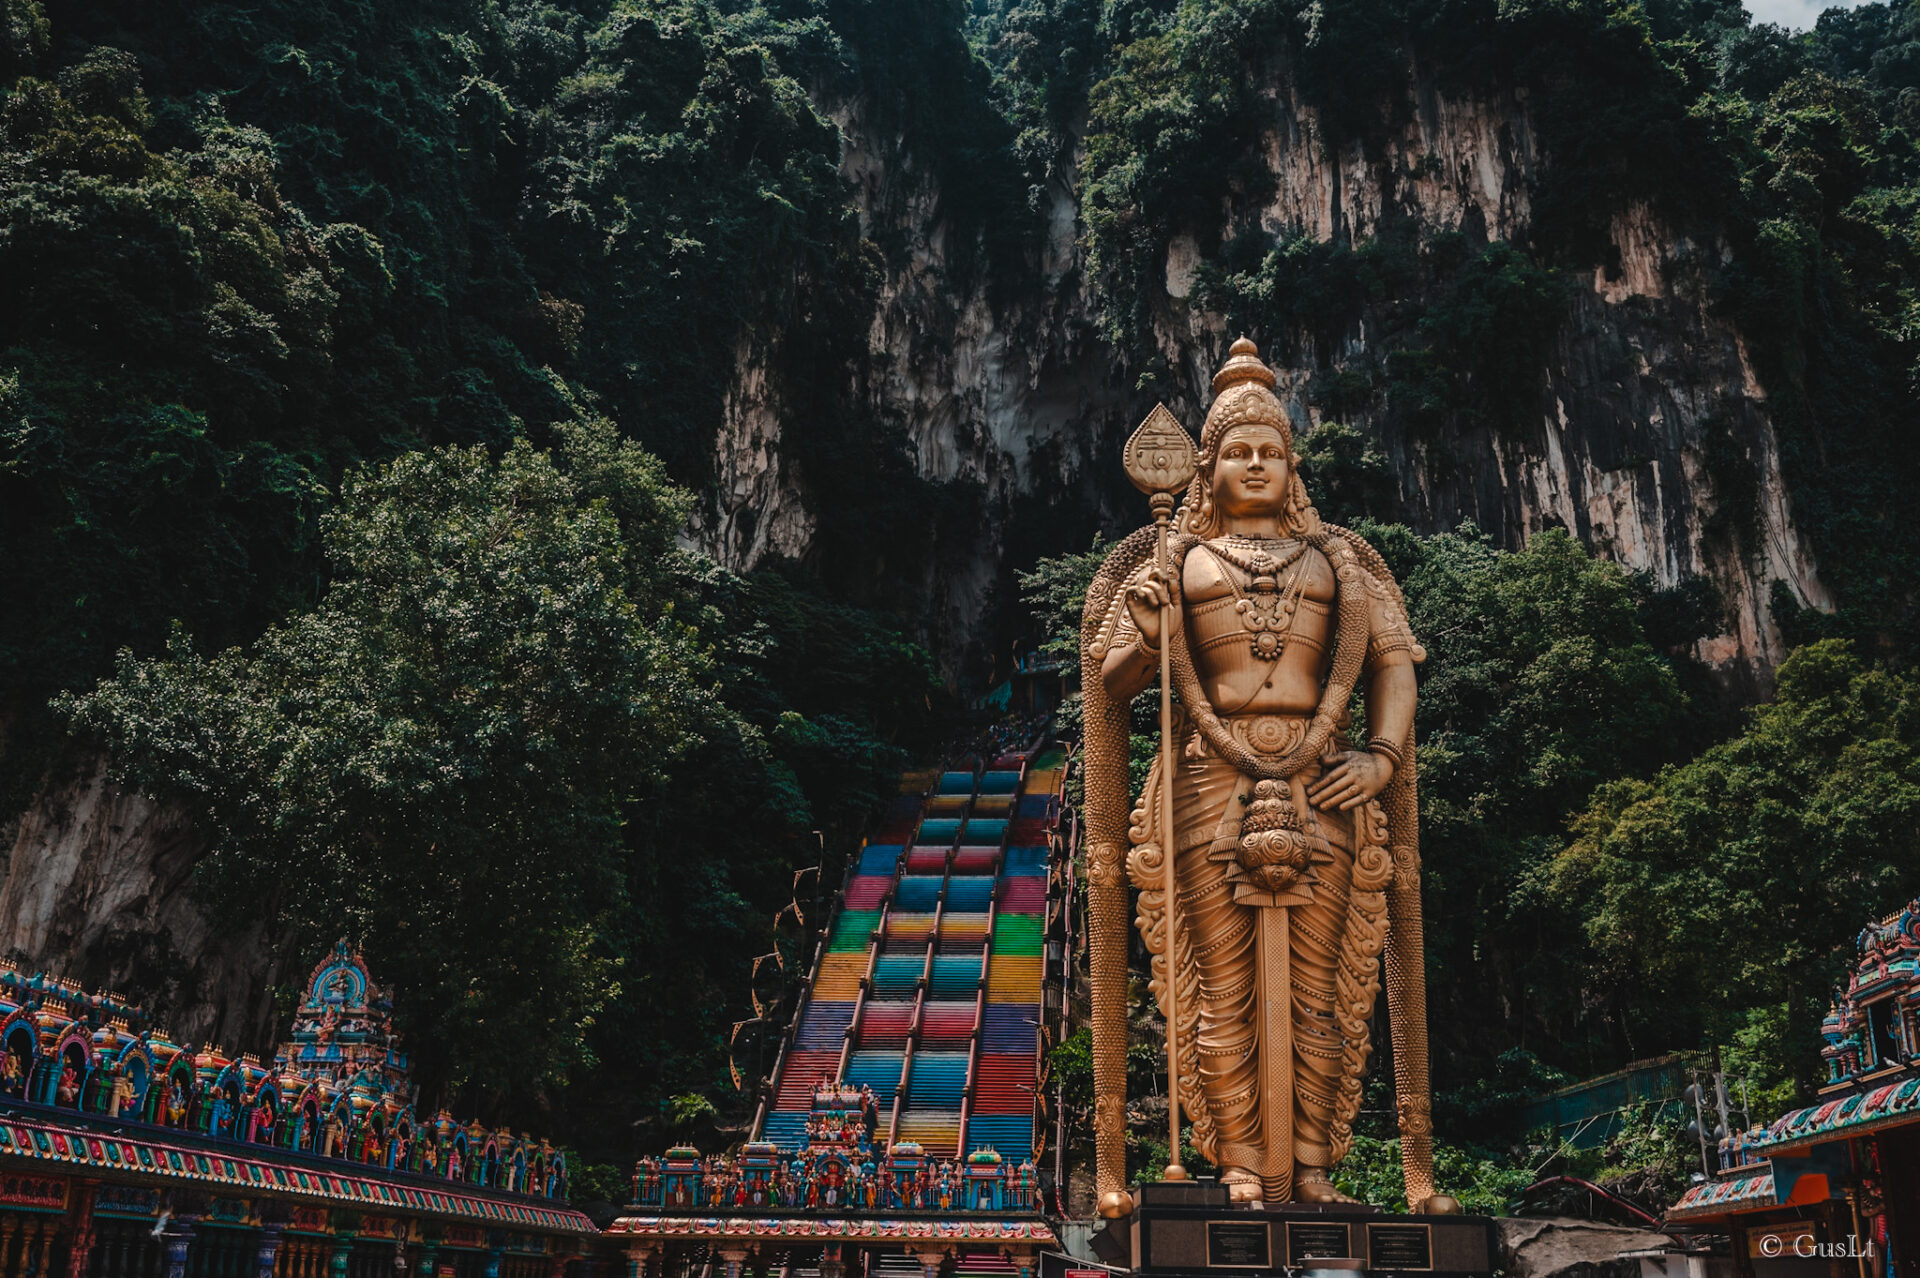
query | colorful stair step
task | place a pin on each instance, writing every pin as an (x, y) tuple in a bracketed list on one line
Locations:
[(970, 895), (823, 1027), (937, 1081), (1013, 977), (902, 928), (786, 1129), (1009, 1028), (803, 1072), (962, 930), (885, 1024), (938, 831), (1012, 1136), (1016, 934), (975, 860), (1022, 896), (1003, 1084), (1035, 807), (947, 1022), (880, 859), (917, 893), (954, 975), (922, 860), (853, 930), (868, 891), (879, 1070), (937, 1131), (896, 975), (979, 831)]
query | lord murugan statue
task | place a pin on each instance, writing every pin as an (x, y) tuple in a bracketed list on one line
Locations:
[(1294, 840)]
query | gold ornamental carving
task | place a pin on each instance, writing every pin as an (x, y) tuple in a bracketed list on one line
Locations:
[(1274, 847)]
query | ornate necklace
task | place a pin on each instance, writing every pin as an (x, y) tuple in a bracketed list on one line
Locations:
[(1267, 614)]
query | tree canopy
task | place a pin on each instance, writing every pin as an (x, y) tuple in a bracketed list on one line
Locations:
[(473, 752)]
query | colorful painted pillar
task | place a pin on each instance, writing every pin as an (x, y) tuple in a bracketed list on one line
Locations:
[(35, 1235), (179, 1241), (639, 1260), (266, 1255), (80, 1228), (342, 1251), (930, 1261)]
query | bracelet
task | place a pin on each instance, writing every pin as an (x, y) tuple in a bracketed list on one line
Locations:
[(1386, 748), (1140, 642)]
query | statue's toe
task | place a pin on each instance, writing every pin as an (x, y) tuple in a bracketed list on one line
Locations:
[(1310, 1185), (1242, 1185)]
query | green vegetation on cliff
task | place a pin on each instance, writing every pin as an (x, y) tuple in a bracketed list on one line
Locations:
[(328, 328)]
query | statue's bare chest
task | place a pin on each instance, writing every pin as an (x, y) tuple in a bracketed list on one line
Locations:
[(1253, 600)]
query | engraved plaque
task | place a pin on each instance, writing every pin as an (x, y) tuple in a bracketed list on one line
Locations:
[(1312, 1241), (1403, 1247), (1238, 1244), (1160, 455)]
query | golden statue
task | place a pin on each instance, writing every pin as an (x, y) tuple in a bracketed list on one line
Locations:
[(1297, 857)]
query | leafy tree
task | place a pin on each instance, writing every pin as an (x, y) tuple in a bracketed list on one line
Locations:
[(1484, 1181), (486, 748), (1542, 680), (436, 758), (1728, 890)]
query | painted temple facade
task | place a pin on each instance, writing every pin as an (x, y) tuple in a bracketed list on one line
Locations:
[(1805, 1193), (124, 1154)]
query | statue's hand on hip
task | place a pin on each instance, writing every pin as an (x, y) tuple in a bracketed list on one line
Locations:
[(1144, 602), (1351, 778)]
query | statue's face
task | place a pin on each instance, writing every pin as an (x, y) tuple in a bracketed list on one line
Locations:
[(1250, 472)]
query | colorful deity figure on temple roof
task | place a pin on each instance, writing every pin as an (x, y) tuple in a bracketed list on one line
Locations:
[(13, 1072), (260, 1124), (68, 1090)]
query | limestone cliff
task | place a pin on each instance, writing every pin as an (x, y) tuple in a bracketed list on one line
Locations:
[(1649, 398), (1012, 392), (97, 890)]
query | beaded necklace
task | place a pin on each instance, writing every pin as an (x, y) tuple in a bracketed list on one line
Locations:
[(1267, 614)]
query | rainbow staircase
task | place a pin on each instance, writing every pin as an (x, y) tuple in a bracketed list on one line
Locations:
[(927, 988)]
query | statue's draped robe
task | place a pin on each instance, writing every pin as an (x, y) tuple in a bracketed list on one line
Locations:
[(1334, 926)]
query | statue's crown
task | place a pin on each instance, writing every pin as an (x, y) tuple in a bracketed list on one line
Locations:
[(1243, 365)]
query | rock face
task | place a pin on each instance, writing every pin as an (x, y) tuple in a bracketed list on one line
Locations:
[(1649, 407), (96, 890), (1555, 1248)]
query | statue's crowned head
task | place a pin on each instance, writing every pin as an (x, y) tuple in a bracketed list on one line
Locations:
[(1243, 399)]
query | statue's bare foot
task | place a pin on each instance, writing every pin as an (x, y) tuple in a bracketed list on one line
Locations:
[(1242, 1185), (1310, 1185)]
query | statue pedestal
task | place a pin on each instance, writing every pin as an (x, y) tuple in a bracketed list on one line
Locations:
[(1187, 1229)]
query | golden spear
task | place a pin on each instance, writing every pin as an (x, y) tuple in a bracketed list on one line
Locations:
[(1160, 462)]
